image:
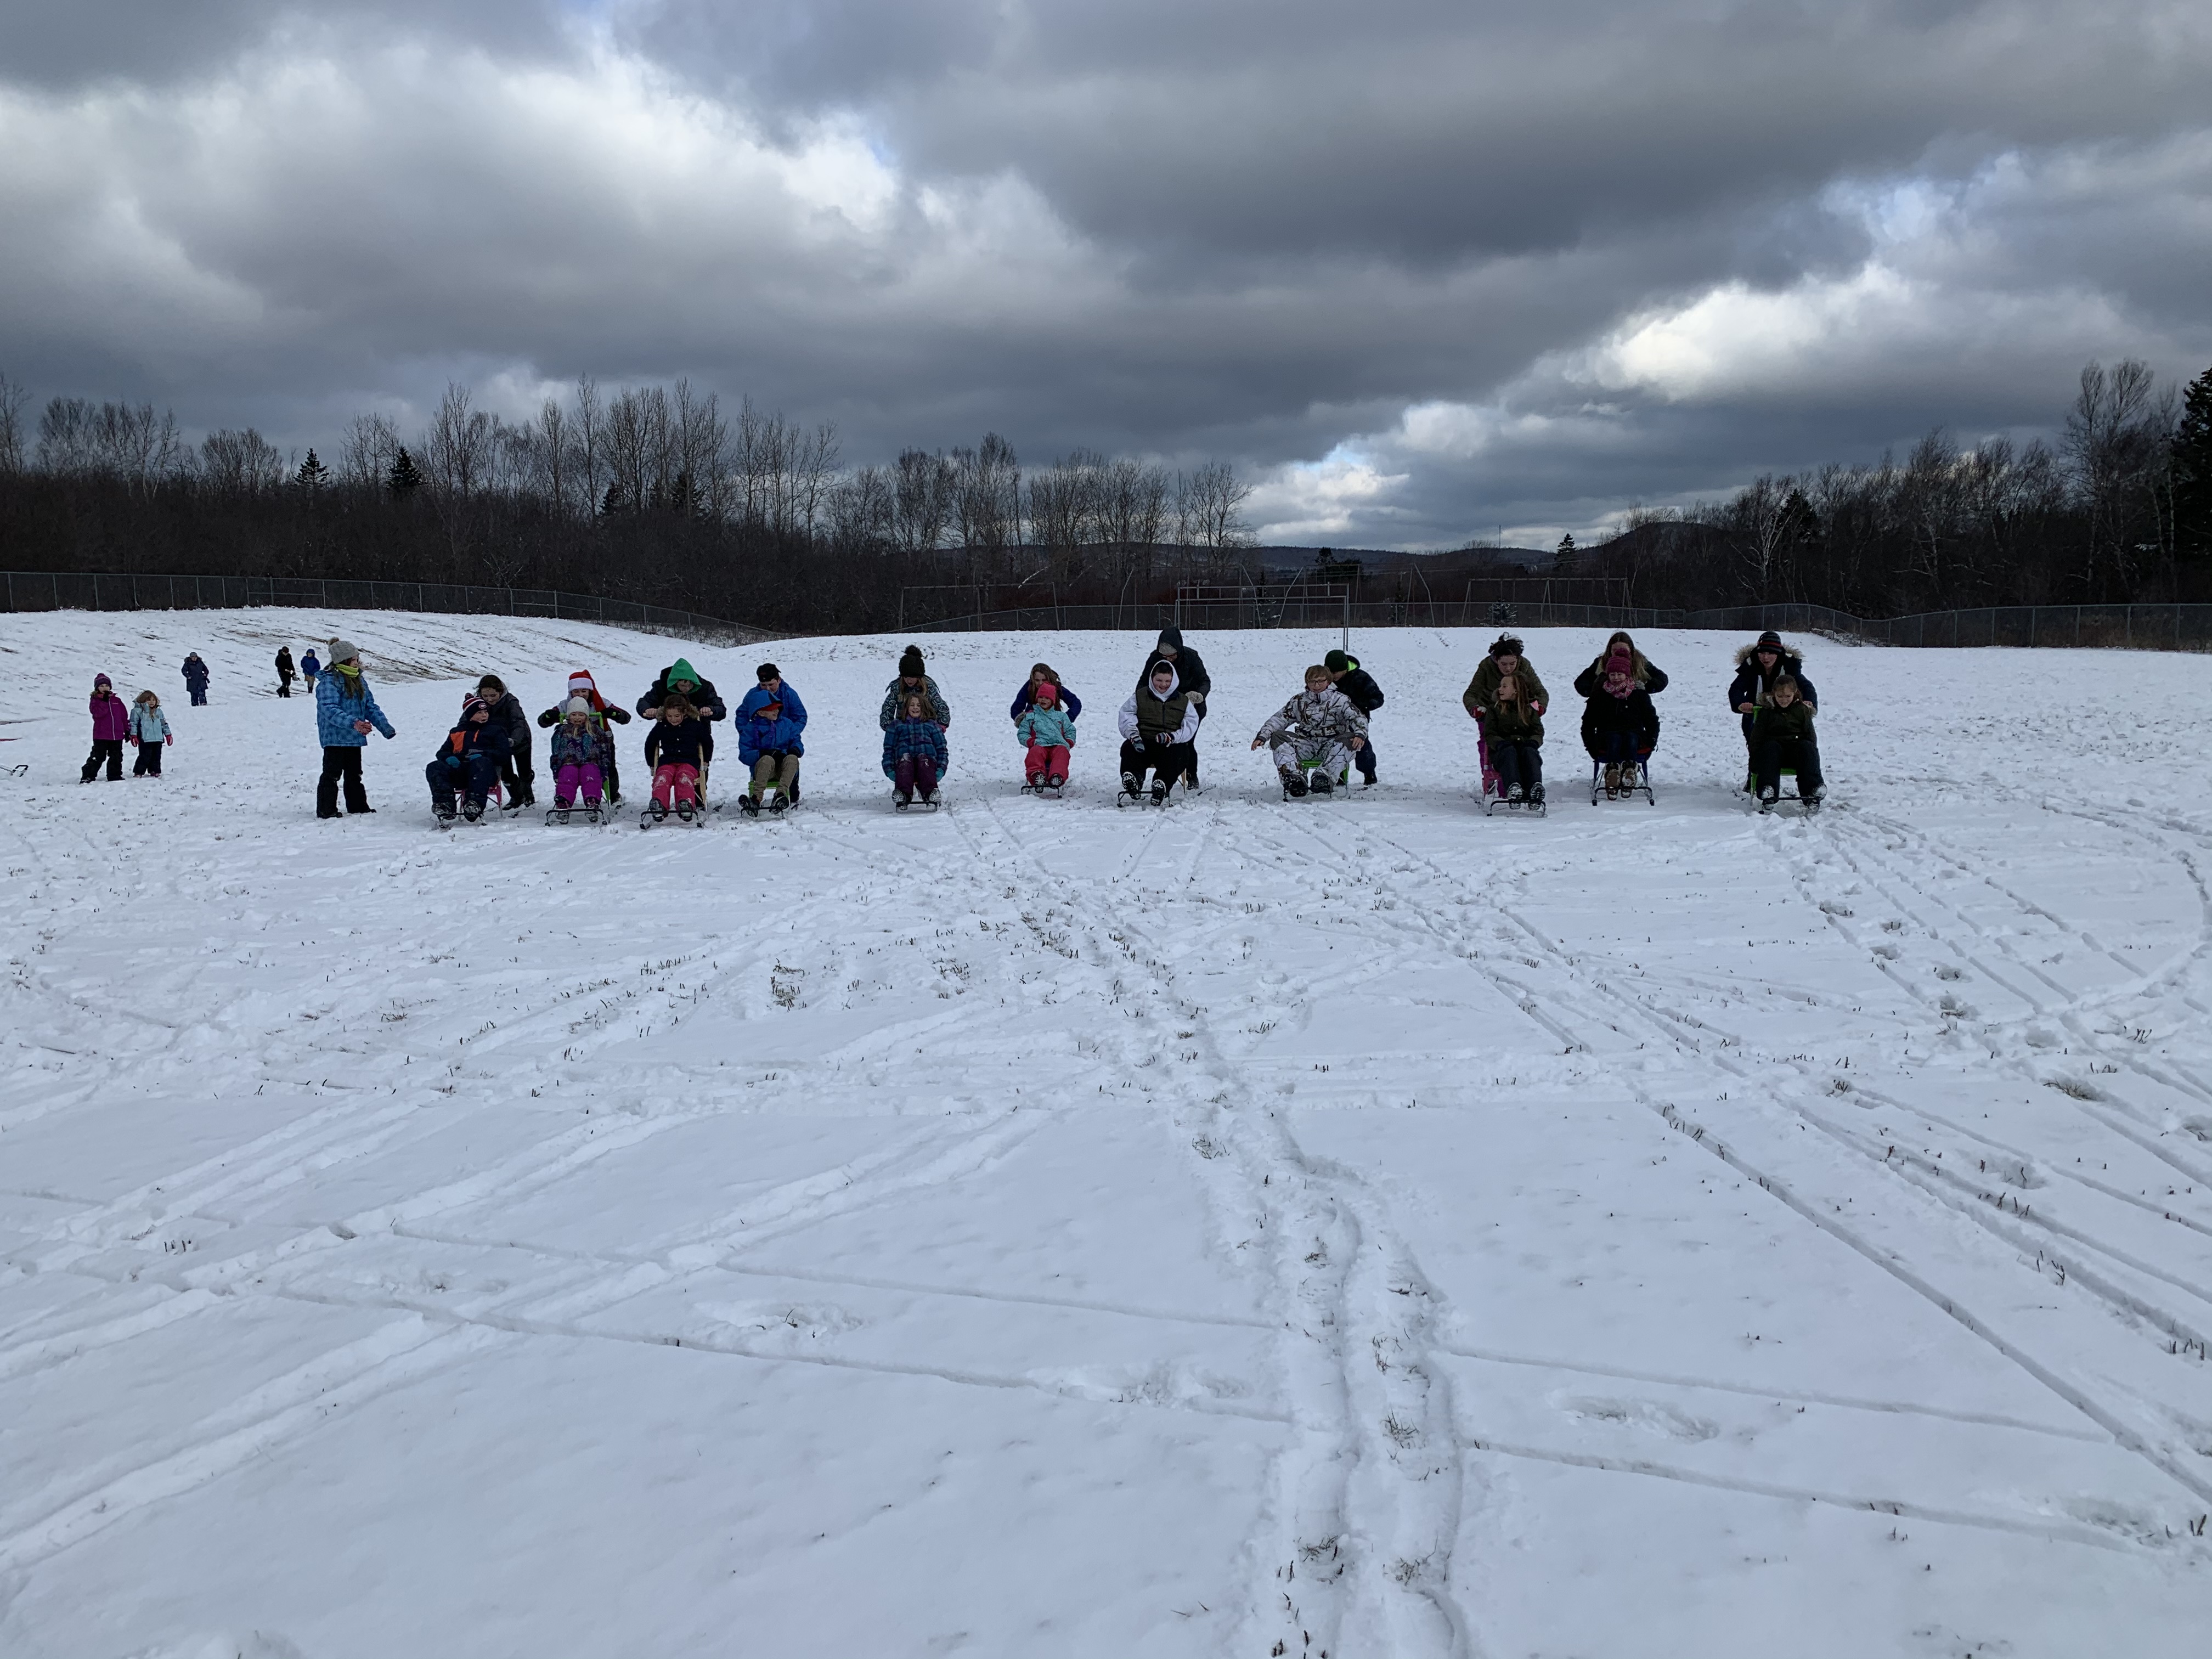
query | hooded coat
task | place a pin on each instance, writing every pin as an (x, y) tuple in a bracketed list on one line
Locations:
[(148, 723), (761, 733), (917, 738), (1147, 714), (1749, 685), (1054, 727), (507, 713), (196, 673), (1604, 713), (702, 696), (1191, 677)]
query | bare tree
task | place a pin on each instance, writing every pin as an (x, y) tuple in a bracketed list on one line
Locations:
[(922, 501), (14, 400), (461, 448), (366, 452), (988, 510), (860, 510), (240, 463), (2117, 436), (1210, 509)]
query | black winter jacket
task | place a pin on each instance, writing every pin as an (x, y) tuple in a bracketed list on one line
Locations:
[(489, 740), (1191, 677), (1632, 713), (1749, 686), (507, 714), (676, 745), (1649, 676), (1359, 686)]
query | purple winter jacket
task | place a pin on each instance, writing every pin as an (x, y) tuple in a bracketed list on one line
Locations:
[(111, 718)]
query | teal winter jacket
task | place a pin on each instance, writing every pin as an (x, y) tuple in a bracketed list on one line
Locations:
[(1050, 726)]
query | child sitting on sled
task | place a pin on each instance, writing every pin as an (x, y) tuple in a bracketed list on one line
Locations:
[(1048, 730), (915, 755), (578, 755), (1320, 724)]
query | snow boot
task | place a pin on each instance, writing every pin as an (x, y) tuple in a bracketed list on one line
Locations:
[(1323, 784), (1159, 792)]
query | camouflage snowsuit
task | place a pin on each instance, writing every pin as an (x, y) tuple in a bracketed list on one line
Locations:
[(1315, 726)]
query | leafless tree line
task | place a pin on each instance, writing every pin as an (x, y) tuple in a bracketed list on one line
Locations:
[(2095, 518)]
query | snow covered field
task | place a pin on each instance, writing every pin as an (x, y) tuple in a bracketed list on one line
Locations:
[(1040, 1230)]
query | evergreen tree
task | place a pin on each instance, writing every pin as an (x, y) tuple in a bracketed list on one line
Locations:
[(313, 474), (2193, 469), (404, 479)]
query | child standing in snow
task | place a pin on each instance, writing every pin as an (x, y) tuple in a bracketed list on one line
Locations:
[(1319, 724), (111, 724), (1048, 732), (915, 754), (575, 753), (345, 714), (149, 734), (676, 750)]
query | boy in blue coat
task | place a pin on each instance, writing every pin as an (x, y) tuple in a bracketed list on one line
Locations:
[(915, 755), (345, 714), (769, 721)]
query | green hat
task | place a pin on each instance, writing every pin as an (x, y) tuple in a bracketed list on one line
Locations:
[(1337, 662), (681, 669)]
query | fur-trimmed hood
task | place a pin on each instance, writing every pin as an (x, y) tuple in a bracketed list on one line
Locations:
[(1792, 658)]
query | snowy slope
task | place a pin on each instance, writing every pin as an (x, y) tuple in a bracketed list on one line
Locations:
[(1362, 1227)]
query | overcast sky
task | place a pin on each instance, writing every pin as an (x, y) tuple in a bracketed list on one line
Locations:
[(1422, 268)]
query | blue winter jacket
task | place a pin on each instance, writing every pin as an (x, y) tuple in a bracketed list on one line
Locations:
[(916, 738), (758, 735), (1052, 727), (335, 714), (1027, 694), (148, 724), (311, 665)]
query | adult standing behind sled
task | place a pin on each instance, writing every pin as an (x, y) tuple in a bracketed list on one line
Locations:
[(149, 734), (769, 722), (1620, 647), (514, 771), (196, 677), (915, 754), (913, 677), (311, 668), (680, 680), (1192, 681), (1159, 728), (111, 724), (469, 760), (1621, 728), (1320, 724), (1041, 673), (1759, 668), (345, 712), (604, 717), (284, 671), (1357, 683), (1504, 658)]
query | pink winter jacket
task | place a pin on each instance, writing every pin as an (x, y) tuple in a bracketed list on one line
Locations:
[(111, 718)]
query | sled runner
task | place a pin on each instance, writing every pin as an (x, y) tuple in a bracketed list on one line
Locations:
[(1639, 770), (1044, 791), (1493, 804), (578, 813)]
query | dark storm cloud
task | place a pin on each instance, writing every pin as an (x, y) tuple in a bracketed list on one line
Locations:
[(1438, 265)]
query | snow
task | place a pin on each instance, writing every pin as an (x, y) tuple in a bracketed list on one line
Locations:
[(1364, 1226)]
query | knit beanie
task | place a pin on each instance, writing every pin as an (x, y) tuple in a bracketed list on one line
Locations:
[(577, 706), (470, 706), (1337, 662), (1046, 693), (343, 651), (98, 680), (910, 664), (1770, 637)]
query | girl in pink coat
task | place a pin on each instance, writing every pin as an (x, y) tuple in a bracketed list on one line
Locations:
[(111, 724)]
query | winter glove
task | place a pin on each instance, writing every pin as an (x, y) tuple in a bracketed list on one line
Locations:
[(454, 762), (172, 738)]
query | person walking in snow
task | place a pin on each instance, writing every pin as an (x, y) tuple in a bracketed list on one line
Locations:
[(195, 678), (1048, 732), (1159, 732), (111, 724), (1040, 674), (913, 677), (345, 714), (284, 671), (149, 735), (1320, 724), (1192, 682), (467, 762), (1357, 683), (311, 669), (771, 722), (915, 754), (1759, 668), (605, 716), (520, 781), (575, 754), (676, 751)]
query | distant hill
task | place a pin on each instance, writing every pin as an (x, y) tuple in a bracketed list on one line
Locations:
[(1459, 565)]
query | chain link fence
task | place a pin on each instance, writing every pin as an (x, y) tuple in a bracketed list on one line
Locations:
[(25, 591)]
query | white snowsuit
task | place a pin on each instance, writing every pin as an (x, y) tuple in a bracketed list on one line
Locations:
[(1317, 725)]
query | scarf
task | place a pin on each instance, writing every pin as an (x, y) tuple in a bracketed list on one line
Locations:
[(1619, 684), (351, 687)]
